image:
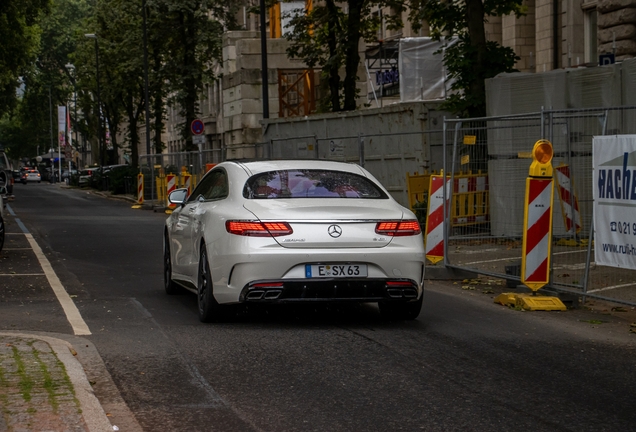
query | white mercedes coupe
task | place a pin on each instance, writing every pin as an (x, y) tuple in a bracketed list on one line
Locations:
[(290, 232)]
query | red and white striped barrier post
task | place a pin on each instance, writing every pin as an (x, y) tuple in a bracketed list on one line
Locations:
[(569, 200), (435, 218), (140, 188), (187, 182), (537, 220), (171, 184)]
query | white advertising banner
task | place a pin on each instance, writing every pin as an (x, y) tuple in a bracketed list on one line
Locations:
[(61, 119), (614, 184)]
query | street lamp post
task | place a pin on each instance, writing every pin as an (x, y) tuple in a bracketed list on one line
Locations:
[(99, 104), (51, 132)]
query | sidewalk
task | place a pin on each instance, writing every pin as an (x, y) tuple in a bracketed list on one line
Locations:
[(43, 387)]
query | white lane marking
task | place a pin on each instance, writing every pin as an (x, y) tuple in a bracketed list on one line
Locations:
[(612, 287), (72, 313)]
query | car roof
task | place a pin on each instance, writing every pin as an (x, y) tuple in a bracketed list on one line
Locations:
[(265, 166)]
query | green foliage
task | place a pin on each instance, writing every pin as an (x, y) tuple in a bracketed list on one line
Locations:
[(122, 178), (472, 59), (192, 44), (327, 38), (45, 79), (460, 60), (20, 38)]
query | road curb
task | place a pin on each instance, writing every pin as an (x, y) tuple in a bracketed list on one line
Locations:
[(89, 376), (92, 411)]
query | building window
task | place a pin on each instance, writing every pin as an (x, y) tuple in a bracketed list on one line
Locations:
[(591, 35)]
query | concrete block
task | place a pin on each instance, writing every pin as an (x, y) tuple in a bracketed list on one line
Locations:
[(231, 37), (624, 31), (229, 67), (621, 16), (229, 52), (605, 6), (232, 94), (623, 47)]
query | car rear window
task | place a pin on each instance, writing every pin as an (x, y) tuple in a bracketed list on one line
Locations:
[(310, 184)]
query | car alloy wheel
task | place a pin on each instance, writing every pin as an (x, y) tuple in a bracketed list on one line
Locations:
[(169, 285), (209, 309)]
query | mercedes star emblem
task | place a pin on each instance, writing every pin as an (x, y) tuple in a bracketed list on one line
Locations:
[(334, 231)]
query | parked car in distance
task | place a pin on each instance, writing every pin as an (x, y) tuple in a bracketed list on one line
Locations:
[(293, 232), (31, 175), (66, 174), (6, 172), (3, 193), (86, 174)]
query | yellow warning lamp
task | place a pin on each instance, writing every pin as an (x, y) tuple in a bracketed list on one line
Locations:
[(542, 153)]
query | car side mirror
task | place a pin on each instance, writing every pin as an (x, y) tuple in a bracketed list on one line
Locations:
[(178, 196)]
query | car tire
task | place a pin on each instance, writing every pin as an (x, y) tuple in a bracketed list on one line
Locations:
[(170, 286), (1, 233), (209, 308), (401, 310)]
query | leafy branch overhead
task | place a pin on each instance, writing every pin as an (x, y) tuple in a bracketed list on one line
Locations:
[(473, 59), (327, 37)]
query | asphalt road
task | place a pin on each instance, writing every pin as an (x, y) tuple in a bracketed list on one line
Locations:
[(465, 364)]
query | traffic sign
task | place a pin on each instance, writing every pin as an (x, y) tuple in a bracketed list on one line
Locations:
[(198, 139), (606, 59), (197, 127)]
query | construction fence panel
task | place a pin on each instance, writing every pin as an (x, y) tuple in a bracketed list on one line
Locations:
[(500, 147), (188, 167), (488, 168)]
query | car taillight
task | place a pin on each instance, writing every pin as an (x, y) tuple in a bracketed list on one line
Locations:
[(258, 229), (398, 228)]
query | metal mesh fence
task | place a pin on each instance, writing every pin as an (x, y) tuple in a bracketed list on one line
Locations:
[(500, 147)]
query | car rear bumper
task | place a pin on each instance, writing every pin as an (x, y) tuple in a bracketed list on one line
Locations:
[(329, 290)]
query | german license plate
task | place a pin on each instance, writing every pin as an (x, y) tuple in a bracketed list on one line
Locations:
[(335, 270)]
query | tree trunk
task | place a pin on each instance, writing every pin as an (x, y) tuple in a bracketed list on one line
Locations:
[(129, 104), (477, 39), (157, 107), (352, 56), (334, 62)]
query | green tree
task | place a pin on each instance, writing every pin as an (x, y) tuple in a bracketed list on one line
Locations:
[(326, 37), (46, 81), (20, 38), (117, 24), (473, 59), (192, 47)]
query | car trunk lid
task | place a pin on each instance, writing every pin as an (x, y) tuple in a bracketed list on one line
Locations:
[(327, 223)]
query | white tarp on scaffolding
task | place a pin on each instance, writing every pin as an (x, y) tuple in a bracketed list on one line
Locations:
[(422, 72)]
